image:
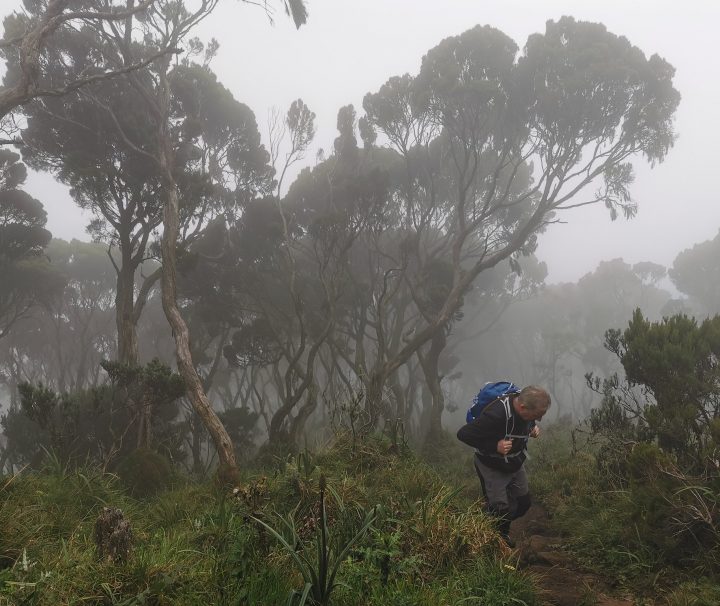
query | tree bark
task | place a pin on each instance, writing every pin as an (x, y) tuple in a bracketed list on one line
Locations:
[(297, 427), (127, 344), (431, 369), (171, 227)]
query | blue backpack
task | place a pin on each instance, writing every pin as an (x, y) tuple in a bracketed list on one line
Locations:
[(489, 393)]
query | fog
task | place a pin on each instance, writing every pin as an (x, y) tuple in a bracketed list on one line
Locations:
[(413, 293), (310, 253), (348, 49)]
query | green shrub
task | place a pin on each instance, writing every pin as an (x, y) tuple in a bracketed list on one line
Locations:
[(145, 473)]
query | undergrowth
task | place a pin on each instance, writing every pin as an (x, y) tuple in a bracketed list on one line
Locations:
[(619, 530), (428, 542)]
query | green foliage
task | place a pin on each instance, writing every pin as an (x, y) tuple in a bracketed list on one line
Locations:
[(145, 472), (26, 276), (76, 427), (636, 522), (494, 583), (674, 361), (154, 381), (658, 436), (320, 572), (486, 582), (696, 273), (90, 425), (197, 544)]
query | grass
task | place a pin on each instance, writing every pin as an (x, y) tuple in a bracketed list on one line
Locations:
[(196, 544), (607, 527), (430, 543)]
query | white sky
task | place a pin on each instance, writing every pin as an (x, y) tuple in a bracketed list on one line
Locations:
[(349, 48)]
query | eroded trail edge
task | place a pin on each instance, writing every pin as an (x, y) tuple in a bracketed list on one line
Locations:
[(541, 551)]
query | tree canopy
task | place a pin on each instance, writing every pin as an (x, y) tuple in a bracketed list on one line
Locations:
[(26, 277)]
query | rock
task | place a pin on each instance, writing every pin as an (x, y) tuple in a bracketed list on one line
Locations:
[(551, 558), (537, 543)]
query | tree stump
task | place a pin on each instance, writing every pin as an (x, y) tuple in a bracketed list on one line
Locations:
[(113, 535)]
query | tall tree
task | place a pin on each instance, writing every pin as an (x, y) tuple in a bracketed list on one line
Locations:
[(63, 342), (169, 25), (577, 105), (25, 274), (95, 143), (696, 272), (77, 139), (25, 47)]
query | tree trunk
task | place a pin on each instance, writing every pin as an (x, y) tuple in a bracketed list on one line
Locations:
[(127, 345), (297, 427), (431, 369), (195, 391), (279, 431), (374, 387), (196, 445)]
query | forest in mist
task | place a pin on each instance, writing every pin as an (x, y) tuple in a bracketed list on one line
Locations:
[(259, 347)]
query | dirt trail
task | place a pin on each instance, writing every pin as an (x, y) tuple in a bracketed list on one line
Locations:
[(562, 584)]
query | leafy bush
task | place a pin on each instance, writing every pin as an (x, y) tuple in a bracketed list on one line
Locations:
[(657, 434), (145, 472), (90, 426), (640, 532)]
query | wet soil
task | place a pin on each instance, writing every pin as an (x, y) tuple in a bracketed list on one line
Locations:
[(562, 583)]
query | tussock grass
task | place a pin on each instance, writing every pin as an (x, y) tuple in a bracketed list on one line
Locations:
[(616, 530), (197, 544)]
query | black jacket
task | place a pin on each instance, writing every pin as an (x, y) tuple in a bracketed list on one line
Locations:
[(489, 428)]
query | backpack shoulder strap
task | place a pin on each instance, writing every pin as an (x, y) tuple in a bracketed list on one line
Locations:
[(505, 401)]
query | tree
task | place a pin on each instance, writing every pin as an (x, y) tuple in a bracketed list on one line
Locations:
[(169, 28), (77, 139), (335, 207), (578, 104), (658, 432), (64, 340), (95, 141), (26, 276), (556, 336), (92, 425), (696, 273), (25, 47), (672, 390)]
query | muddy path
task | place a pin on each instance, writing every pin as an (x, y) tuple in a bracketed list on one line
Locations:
[(540, 551)]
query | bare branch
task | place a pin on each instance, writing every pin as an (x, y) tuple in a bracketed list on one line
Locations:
[(75, 85)]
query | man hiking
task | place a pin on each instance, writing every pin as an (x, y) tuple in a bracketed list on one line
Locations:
[(499, 435)]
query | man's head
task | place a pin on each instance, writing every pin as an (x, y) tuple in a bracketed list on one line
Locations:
[(532, 403)]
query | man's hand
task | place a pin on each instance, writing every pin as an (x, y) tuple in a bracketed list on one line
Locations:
[(504, 446), (535, 431)]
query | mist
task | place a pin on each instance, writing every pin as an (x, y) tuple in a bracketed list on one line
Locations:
[(320, 302), (345, 51)]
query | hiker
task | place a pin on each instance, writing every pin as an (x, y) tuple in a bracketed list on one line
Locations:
[(499, 433)]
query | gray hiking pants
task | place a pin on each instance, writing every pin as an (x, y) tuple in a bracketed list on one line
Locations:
[(507, 494)]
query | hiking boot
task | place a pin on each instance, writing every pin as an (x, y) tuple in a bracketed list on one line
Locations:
[(507, 540)]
